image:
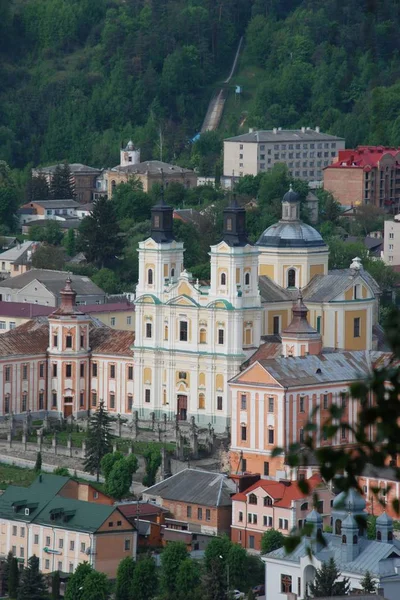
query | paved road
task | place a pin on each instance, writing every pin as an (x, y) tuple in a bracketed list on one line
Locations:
[(217, 102)]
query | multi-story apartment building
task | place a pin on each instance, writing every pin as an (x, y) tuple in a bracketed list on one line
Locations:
[(279, 504), (305, 151), (391, 241), (64, 523), (365, 175)]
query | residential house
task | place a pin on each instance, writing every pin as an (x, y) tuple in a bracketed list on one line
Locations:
[(305, 151), (365, 175), (200, 504), (117, 315), (275, 504), (50, 520), (353, 553), (84, 210), (149, 521), (84, 179), (43, 286), (66, 363), (17, 260), (59, 210), (64, 224)]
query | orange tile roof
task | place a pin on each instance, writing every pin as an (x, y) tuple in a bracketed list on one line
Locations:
[(282, 492), (32, 338)]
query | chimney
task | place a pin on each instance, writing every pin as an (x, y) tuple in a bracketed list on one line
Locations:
[(251, 129), (303, 130), (317, 129), (274, 130), (279, 128)]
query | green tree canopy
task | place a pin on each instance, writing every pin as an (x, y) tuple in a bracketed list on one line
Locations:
[(76, 581), (124, 579), (271, 540), (98, 234), (144, 580), (172, 557), (131, 202), (8, 197), (62, 183), (48, 257)]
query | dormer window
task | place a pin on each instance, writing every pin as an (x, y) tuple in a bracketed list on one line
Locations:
[(267, 501), (252, 499)]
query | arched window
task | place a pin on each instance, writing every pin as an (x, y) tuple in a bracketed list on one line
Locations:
[(304, 506), (252, 499), (355, 539), (338, 527), (165, 332), (267, 501), (344, 539), (390, 536), (202, 401), (150, 276), (291, 278), (247, 279), (223, 278), (113, 185), (379, 536), (203, 336), (172, 272)]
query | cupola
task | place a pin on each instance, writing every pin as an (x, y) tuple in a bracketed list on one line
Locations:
[(162, 221), (350, 546), (384, 528), (234, 231), (314, 519), (299, 338)]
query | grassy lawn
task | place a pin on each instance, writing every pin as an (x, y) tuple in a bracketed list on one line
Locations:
[(10, 474)]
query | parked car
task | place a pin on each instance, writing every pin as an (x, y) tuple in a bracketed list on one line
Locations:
[(259, 590), (236, 594)]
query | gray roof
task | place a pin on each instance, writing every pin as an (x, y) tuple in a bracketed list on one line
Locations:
[(387, 473), (333, 367), (67, 203), (74, 168), (64, 223), (195, 487), (323, 288), (152, 166), (371, 553), (284, 135), (16, 252), (53, 281), (289, 234), (272, 292)]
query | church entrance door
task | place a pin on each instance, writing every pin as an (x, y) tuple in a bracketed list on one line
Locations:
[(68, 406), (182, 407)]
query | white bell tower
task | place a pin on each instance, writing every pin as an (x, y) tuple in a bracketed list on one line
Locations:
[(129, 155)]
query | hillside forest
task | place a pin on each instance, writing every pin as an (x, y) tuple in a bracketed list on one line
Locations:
[(78, 77)]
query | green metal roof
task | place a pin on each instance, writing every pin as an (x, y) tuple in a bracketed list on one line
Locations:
[(35, 497), (47, 507), (67, 513)]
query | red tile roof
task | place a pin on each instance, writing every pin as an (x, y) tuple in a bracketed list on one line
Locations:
[(32, 338), (112, 307), (364, 157), (141, 508), (281, 492), (24, 309)]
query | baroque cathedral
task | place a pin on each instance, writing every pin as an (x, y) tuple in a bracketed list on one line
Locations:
[(190, 339)]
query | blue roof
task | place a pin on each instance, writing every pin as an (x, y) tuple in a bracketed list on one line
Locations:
[(371, 553)]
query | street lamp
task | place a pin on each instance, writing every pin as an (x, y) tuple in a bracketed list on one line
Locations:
[(227, 573)]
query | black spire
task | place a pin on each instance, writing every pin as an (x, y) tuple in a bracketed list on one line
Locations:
[(234, 232), (162, 219)]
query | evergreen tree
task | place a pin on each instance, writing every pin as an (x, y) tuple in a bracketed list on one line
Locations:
[(215, 582), (326, 582), (98, 441), (38, 188), (124, 579), (32, 585), (99, 234), (171, 559), (69, 242), (38, 463), (13, 575), (62, 183), (144, 580), (55, 586), (368, 584)]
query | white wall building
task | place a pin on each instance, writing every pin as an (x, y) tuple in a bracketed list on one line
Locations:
[(391, 242)]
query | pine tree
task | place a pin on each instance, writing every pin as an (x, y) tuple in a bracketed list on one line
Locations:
[(55, 586), (326, 582), (38, 188), (38, 464), (368, 584), (98, 441), (13, 575), (98, 234), (32, 585), (62, 183)]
